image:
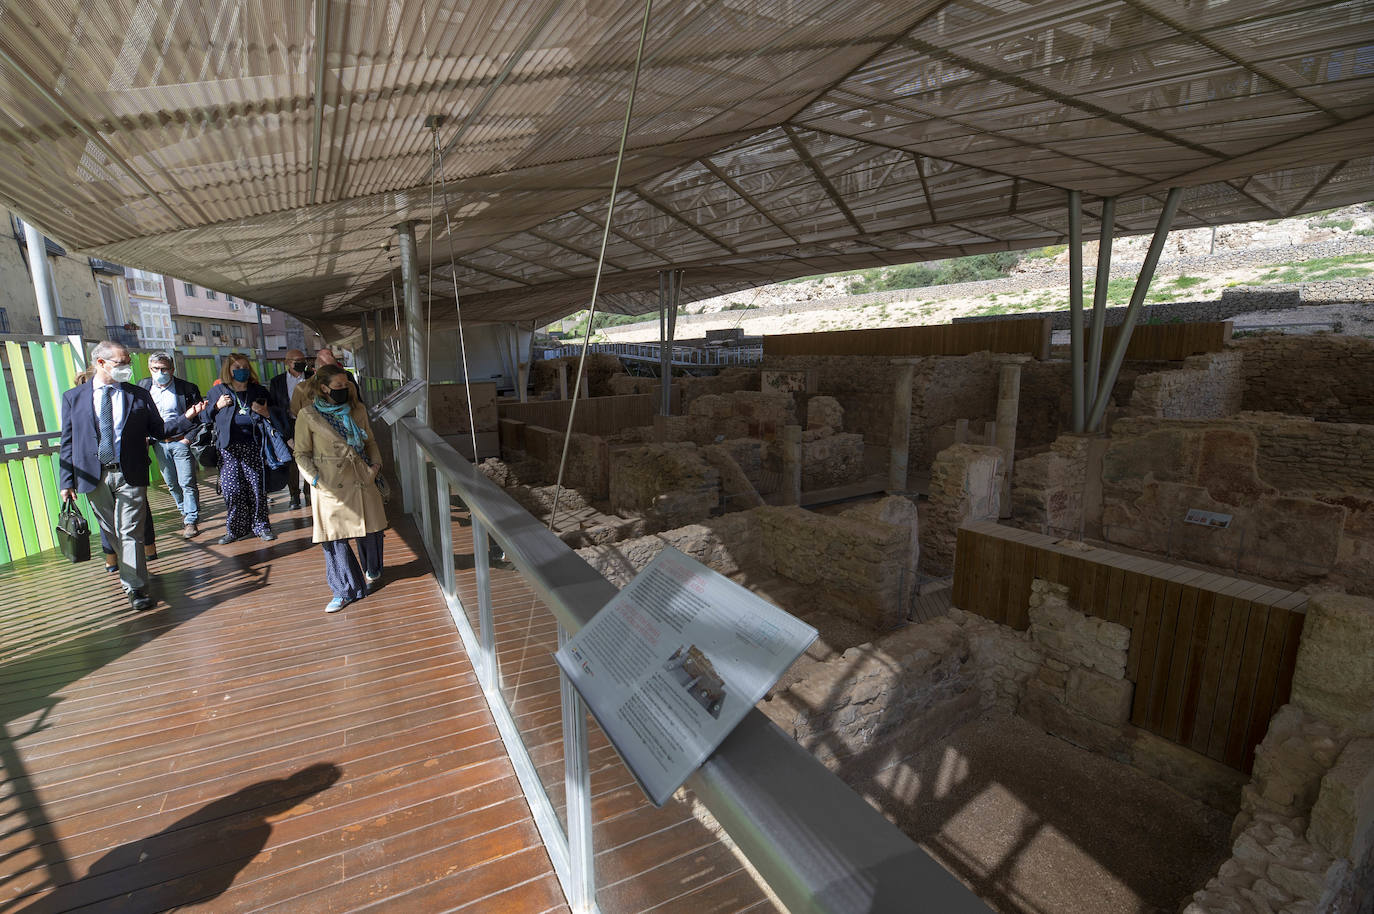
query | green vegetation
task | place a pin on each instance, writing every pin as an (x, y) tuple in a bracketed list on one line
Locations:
[(1049, 252), (935, 273), (1187, 282), (740, 306), (1344, 225), (576, 324)]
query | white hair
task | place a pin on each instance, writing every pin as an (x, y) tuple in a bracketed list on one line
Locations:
[(107, 348)]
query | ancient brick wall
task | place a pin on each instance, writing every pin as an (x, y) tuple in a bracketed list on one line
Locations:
[(1325, 376), (669, 484), (1206, 387), (863, 386), (965, 483)]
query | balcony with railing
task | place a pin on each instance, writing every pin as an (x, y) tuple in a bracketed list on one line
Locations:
[(122, 335), (69, 326)]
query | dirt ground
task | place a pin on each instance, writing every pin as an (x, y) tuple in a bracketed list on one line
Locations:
[(1035, 825)]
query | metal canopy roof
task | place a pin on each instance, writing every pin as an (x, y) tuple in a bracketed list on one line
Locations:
[(269, 151)]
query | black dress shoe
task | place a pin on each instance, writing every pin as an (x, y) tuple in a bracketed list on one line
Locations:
[(226, 539), (294, 505), (268, 536), (140, 600)]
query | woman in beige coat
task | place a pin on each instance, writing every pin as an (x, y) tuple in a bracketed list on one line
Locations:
[(338, 455)]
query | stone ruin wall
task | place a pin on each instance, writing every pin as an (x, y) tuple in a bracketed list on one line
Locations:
[(1326, 376), (1209, 386), (1301, 494), (858, 565), (1303, 840), (1304, 822)]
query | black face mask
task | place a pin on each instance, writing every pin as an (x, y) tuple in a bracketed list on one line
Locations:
[(339, 396), (298, 366)]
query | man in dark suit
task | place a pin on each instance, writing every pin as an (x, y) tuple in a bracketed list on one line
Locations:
[(106, 424), (322, 358), (281, 388), (173, 397)]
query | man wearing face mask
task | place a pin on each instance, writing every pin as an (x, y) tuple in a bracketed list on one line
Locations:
[(325, 357), (173, 397), (106, 424), (282, 388)]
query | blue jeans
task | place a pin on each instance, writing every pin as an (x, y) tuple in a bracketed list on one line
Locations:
[(179, 470)]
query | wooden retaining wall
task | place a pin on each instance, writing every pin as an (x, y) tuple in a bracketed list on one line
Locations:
[(1029, 335), (1211, 656), (595, 415), (1171, 342)]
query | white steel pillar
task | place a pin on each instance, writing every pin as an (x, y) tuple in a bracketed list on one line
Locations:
[(415, 342)]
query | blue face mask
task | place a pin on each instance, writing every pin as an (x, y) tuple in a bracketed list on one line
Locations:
[(240, 374), (162, 378)]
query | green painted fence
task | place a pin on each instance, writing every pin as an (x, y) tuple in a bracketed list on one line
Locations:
[(34, 371)]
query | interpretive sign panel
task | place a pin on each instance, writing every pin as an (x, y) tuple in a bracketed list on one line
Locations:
[(674, 662)]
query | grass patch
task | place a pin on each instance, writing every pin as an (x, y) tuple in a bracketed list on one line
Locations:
[(1344, 225)]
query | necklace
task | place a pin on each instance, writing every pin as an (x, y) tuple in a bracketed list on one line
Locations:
[(241, 404)]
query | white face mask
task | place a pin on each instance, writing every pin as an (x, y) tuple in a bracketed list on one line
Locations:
[(161, 378), (121, 374)]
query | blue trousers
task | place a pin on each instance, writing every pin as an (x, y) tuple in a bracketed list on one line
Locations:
[(342, 569), (179, 469)]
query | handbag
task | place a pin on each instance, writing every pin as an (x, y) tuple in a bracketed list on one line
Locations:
[(73, 533), (203, 446)]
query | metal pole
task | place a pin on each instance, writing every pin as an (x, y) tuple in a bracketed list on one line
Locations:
[(1104, 277), (486, 631), (665, 357), (1142, 286), (364, 359), (42, 286), (262, 342), (1076, 305), (415, 343), (577, 784)]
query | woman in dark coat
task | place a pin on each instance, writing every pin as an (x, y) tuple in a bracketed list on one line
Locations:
[(235, 402)]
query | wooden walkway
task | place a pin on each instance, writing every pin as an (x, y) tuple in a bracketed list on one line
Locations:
[(237, 749)]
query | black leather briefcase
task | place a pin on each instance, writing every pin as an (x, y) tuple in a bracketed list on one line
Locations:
[(73, 533)]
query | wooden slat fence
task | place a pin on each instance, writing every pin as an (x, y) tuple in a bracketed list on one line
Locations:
[(1212, 657), (1171, 342), (595, 415), (1029, 335), (33, 375)]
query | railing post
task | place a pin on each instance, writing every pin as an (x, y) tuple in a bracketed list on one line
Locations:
[(486, 632), (426, 503), (577, 783), (444, 550), (405, 463)]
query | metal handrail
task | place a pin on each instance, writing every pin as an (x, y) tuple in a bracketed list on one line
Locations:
[(820, 847), (681, 355)]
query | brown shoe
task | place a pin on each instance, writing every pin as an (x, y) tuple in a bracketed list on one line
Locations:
[(190, 530), (150, 552)]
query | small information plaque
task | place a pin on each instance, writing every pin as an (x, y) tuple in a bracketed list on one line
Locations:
[(1207, 518), (674, 662)]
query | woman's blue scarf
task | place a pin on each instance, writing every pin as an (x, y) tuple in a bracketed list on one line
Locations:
[(340, 418)]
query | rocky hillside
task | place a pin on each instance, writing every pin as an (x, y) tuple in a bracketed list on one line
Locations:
[(1338, 244)]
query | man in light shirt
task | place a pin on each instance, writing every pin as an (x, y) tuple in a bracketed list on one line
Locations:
[(282, 389), (173, 396)]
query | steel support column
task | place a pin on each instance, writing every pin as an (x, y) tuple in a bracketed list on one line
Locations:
[(415, 342), (1076, 307), (262, 343), (1142, 286), (363, 357), (1104, 277), (42, 281), (669, 283)]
